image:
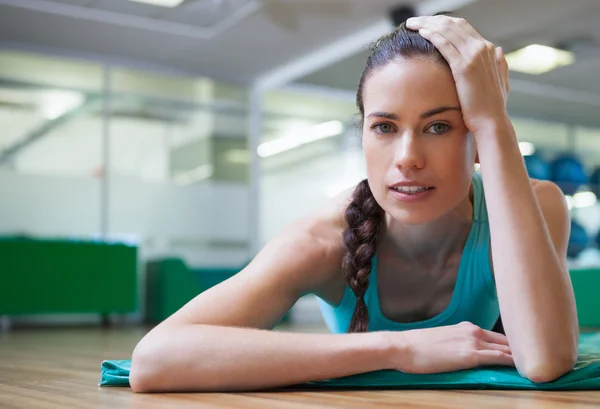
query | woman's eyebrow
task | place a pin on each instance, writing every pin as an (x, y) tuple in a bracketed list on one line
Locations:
[(439, 110), (427, 114), (387, 115)]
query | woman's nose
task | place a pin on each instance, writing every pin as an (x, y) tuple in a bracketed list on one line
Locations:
[(408, 153)]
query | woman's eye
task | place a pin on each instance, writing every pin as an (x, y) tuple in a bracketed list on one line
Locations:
[(383, 128), (439, 128)]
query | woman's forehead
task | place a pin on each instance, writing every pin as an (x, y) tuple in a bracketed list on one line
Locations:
[(415, 81)]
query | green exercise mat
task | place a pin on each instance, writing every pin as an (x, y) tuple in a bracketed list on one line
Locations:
[(585, 376)]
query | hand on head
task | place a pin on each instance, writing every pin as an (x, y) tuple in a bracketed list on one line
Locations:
[(480, 69)]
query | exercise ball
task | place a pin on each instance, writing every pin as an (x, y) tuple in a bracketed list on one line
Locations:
[(537, 167), (595, 181), (568, 173), (578, 240)]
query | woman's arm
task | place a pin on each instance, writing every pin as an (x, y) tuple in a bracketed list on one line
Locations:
[(221, 340), (529, 236), (197, 357), (529, 228)]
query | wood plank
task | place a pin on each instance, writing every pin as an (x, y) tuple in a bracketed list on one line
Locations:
[(60, 368)]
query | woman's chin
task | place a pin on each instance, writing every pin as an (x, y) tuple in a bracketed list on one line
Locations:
[(412, 217)]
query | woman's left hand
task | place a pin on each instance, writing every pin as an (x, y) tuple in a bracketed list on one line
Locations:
[(479, 69)]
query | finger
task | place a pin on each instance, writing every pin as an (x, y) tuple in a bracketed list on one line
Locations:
[(467, 27), (494, 337), (467, 45), (494, 358), (503, 66), (444, 46), (490, 346), (446, 27)]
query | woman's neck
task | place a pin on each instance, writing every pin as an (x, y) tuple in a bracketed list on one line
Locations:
[(433, 242)]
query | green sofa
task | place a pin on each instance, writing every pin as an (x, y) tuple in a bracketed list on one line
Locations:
[(586, 285), (54, 276), (171, 284)]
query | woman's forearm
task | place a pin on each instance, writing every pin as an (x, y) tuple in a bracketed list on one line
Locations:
[(535, 293), (214, 358)]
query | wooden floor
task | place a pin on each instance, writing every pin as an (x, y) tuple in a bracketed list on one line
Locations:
[(61, 368)]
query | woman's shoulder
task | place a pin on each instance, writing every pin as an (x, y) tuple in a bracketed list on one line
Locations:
[(546, 190), (311, 248), (329, 220), (324, 227)]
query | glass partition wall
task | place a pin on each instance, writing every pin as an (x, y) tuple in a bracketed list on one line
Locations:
[(110, 153)]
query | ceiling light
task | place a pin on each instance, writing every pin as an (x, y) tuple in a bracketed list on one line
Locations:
[(526, 148), (538, 59), (300, 137), (584, 199), (160, 3), (569, 200), (54, 104)]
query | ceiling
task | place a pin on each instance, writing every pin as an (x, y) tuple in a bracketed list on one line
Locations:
[(238, 41), (570, 94), (511, 24), (235, 42)]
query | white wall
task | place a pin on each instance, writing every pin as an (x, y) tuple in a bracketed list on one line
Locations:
[(49, 206), (289, 194), (166, 219), (176, 220)]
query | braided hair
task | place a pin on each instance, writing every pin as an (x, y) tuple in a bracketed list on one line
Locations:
[(364, 216)]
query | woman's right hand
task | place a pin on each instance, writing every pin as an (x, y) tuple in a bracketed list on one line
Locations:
[(447, 348)]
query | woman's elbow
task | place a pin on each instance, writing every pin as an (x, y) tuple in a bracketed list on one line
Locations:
[(141, 378), (550, 368)]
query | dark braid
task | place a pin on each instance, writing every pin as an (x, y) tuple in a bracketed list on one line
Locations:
[(364, 217)]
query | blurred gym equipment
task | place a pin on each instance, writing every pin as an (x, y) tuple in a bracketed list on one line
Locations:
[(595, 181), (537, 167), (578, 240), (568, 173)]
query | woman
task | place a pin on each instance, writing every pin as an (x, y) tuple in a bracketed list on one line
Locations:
[(412, 267)]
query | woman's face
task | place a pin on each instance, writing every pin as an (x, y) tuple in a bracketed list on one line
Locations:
[(413, 133)]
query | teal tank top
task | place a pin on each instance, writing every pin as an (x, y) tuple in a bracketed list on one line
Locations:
[(474, 297)]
